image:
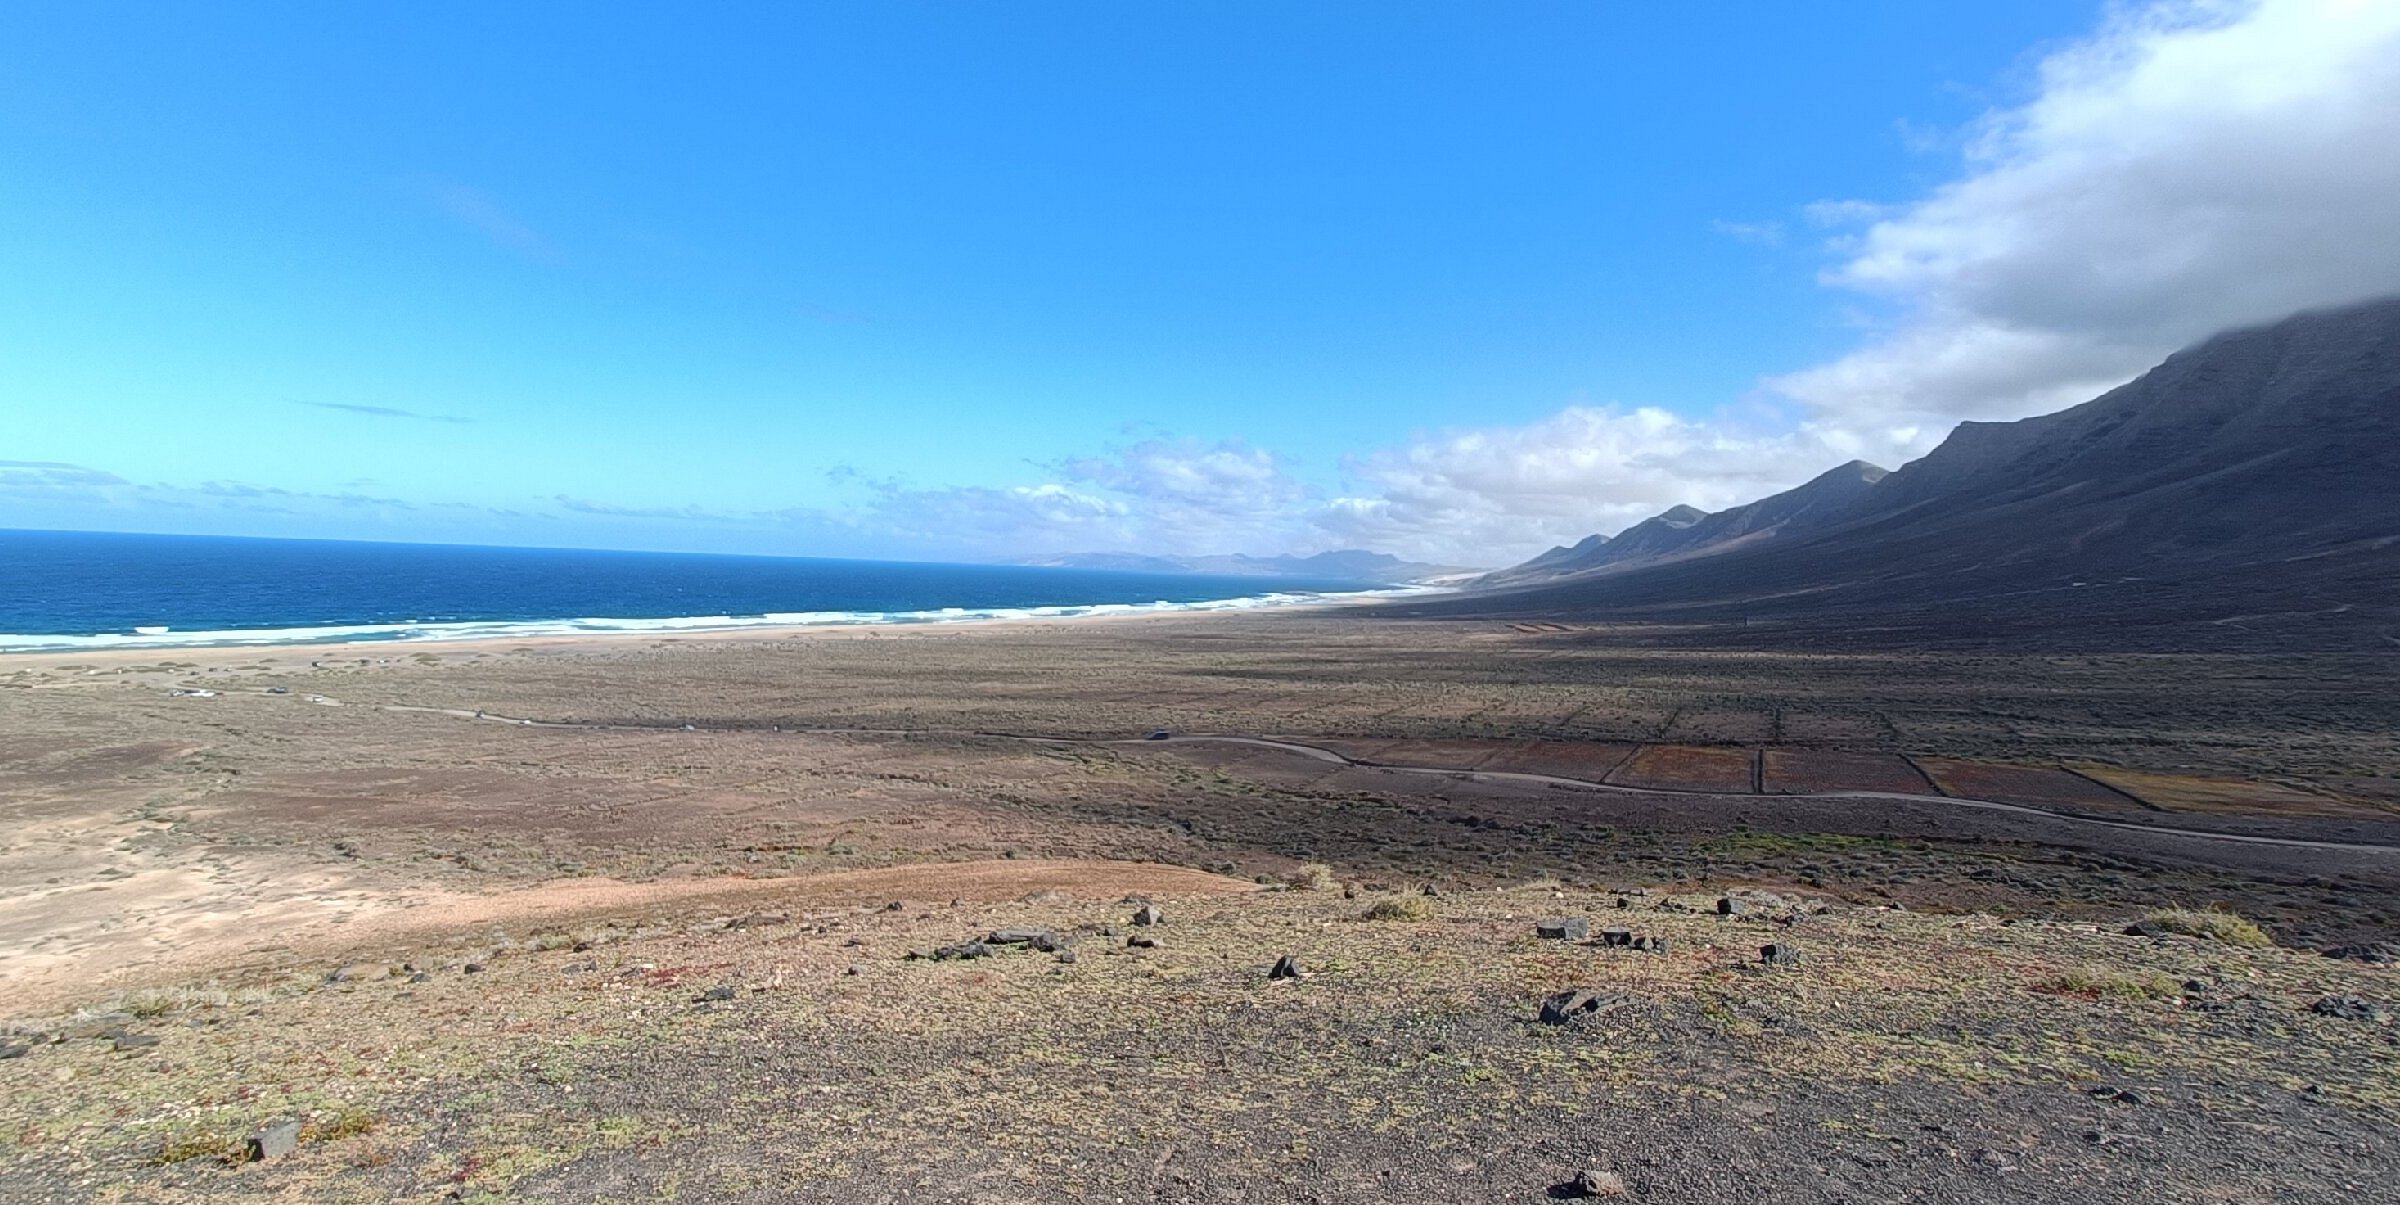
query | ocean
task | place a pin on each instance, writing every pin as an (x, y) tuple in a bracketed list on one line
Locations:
[(87, 590)]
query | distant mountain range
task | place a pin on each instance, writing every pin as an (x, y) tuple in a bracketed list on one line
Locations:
[(2250, 483), (1347, 565)]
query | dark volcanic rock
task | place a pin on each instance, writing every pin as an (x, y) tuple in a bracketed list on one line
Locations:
[(721, 992), (1568, 928), (2380, 952), (1590, 1184), (1577, 1002), (1779, 954), (1286, 967), (1148, 914), (2347, 1008), (1730, 906)]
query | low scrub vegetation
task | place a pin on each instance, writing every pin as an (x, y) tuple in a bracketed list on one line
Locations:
[(1407, 906), (2215, 924), (2098, 983)]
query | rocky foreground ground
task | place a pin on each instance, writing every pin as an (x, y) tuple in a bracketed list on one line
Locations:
[(713, 921), (1467, 1046)]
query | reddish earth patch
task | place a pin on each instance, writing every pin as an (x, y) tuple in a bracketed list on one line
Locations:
[(1688, 768), (2230, 796), (1437, 755), (2034, 785), (1809, 771), (1591, 761)]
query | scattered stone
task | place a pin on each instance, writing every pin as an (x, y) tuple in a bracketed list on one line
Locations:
[(1286, 967), (581, 947), (2375, 952), (473, 968), (1616, 937), (1067, 956), (1591, 1183), (856, 969), (2347, 1008), (272, 1142), (853, 943), (2143, 928), (1578, 1002), (127, 1042), (718, 994), (1148, 914), (361, 973), (14, 1050), (2122, 1096), (1141, 943), (1729, 906), (894, 906), (1160, 735), (964, 949), (1042, 939), (1652, 943), (758, 920), (1779, 954), (1565, 928), (421, 977)]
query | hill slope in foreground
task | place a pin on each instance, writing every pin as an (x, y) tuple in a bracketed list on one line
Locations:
[(2246, 488), (606, 921)]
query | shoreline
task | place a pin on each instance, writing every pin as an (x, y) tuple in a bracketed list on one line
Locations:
[(428, 636), (346, 653)]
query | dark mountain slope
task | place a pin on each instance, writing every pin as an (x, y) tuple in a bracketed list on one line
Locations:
[(1685, 531), (2251, 482)]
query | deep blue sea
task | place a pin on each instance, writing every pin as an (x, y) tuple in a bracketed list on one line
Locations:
[(70, 590)]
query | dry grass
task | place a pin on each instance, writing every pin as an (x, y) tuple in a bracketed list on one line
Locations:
[(2098, 983), (200, 1144), (2215, 924), (1315, 876), (1406, 906)]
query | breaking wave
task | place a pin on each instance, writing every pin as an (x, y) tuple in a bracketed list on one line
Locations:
[(153, 637)]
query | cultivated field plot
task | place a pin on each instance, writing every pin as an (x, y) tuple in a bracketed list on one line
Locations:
[(2034, 785), (1590, 761), (1689, 768), (2183, 793), (1807, 771)]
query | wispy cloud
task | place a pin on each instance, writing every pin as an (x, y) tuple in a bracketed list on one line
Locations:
[(1757, 234), (387, 412), (480, 212)]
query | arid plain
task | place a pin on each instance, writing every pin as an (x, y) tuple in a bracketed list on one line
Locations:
[(621, 919)]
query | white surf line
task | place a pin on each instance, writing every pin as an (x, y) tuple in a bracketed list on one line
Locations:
[(1327, 755)]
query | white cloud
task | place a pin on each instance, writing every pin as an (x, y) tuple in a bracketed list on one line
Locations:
[(2195, 165), (1481, 497)]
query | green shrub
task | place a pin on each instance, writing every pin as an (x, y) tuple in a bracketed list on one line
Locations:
[(2215, 924)]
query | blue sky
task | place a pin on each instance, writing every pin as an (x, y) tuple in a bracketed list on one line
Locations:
[(1456, 281)]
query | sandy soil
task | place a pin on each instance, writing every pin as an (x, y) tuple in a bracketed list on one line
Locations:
[(185, 855)]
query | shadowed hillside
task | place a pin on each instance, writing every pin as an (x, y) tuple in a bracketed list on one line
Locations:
[(2246, 489)]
